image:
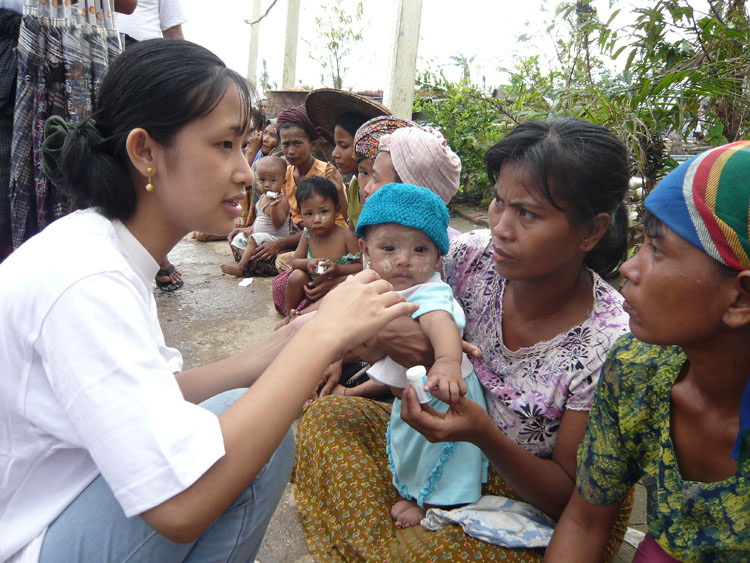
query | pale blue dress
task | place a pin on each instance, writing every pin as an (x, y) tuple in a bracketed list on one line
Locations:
[(445, 473)]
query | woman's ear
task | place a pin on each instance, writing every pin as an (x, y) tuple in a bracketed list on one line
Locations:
[(738, 313), (595, 232), (140, 148)]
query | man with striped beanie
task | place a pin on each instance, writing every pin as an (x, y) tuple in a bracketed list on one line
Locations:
[(672, 407)]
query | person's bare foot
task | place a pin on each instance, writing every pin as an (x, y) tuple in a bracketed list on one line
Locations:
[(407, 513), (233, 269)]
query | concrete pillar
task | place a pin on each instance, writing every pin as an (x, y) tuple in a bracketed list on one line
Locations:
[(399, 95), (290, 44), (252, 63)]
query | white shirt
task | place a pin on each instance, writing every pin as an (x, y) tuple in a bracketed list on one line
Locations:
[(150, 18), (88, 383)]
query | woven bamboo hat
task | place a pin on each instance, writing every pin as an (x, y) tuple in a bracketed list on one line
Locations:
[(326, 105)]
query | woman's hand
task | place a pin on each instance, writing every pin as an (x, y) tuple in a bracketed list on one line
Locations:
[(268, 250), (254, 142), (464, 421), (375, 303), (331, 378)]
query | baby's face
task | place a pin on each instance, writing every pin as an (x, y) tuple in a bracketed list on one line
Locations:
[(401, 255), (270, 178)]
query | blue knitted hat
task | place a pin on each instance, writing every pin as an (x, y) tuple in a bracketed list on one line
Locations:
[(410, 206)]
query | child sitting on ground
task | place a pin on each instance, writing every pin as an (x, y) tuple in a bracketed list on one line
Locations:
[(272, 219), (404, 234), (326, 250)]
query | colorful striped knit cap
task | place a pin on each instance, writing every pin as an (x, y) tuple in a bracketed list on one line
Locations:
[(706, 200)]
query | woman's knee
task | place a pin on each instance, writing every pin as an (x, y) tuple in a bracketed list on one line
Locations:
[(221, 402)]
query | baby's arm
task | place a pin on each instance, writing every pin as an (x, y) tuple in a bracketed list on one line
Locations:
[(300, 261), (444, 379), (278, 210)]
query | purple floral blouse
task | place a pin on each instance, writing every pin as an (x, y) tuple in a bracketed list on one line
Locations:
[(528, 390)]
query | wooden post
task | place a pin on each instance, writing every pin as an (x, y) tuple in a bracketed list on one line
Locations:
[(252, 63), (399, 95), (290, 44)]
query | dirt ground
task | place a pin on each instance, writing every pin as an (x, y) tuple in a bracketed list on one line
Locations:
[(212, 317)]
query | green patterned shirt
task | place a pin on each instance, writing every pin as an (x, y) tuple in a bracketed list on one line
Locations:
[(628, 438)]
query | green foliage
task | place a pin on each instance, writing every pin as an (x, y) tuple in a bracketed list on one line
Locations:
[(338, 30), (467, 120), (680, 69)]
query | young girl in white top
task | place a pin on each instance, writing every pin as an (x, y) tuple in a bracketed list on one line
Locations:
[(105, 450)]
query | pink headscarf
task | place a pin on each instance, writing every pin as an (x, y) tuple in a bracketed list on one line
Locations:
[(421, 156)]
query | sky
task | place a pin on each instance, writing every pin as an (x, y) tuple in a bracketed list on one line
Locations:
[(485, 30)]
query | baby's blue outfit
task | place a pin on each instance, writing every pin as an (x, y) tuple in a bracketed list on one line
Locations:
[(445, 473)]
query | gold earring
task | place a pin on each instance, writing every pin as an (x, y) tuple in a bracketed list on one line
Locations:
[(149, 186)]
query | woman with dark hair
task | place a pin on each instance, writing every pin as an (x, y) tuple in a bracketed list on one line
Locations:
[(342, 113), (107, 454), (540, 319), (673, 407)]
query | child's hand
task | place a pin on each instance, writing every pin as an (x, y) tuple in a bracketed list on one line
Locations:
[(316, 267), (445, 382), (333, 174), (331, 271)]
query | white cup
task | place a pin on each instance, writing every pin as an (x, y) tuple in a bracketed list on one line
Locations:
[(417, 377)]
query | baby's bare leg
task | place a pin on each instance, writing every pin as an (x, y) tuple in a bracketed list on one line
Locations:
[(295, 290), (239, 268)]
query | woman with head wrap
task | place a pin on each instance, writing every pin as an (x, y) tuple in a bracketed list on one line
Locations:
[(537, 306), (342, 113), (366, 142), (670, 402), (419, 156)]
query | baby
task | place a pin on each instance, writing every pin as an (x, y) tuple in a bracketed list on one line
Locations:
[(326, 250), (272, 219), (404, 234)]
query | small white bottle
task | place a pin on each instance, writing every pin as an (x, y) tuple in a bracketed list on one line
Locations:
[(417, 377), (321, 267)]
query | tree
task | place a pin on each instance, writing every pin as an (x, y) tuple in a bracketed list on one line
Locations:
[(264, 81), (338, 30), (463, 62)]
